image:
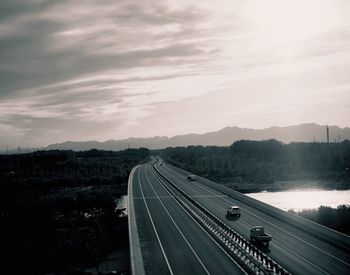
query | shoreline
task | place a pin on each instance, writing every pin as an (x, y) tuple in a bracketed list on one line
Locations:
[(248, 188)]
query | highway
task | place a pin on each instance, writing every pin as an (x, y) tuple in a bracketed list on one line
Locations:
[(171, 241)]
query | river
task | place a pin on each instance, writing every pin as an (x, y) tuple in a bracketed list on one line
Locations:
[(299, 200)]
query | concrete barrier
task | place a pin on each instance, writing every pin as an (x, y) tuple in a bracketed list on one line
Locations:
[(136, 261)]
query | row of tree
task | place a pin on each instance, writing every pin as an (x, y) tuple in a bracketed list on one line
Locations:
[(55, 168), (267, 161)]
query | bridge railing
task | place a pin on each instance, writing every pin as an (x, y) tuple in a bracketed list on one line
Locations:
[(248, 256), (321, 232)]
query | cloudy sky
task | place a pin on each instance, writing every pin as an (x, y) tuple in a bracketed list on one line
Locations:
[(111, 69)]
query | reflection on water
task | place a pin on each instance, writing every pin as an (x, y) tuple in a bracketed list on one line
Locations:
[(121, 203), (303, 199)]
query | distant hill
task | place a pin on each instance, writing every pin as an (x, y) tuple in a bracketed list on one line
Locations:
[(224, 137)]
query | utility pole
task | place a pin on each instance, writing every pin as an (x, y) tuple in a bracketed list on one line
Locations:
[(328, 158), (327, 134)]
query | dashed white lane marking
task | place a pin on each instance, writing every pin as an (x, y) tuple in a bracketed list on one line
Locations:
[(169, 197), (283, 230), (233, 260), (296, 254), (200, 261), (154, 228)]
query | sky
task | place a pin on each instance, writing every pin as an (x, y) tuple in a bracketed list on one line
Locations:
[(107, 69)]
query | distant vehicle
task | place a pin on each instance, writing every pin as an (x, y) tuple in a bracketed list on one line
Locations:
[(233, 210), (257, 234), (191, 177)]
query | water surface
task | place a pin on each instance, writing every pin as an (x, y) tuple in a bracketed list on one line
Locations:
[(303, 199)]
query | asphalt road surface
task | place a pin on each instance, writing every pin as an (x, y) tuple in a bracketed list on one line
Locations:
[(172, 242)]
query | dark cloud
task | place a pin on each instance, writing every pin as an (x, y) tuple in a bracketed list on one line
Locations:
[(46, 47), (30, 58), (13, 8), (67, 65), (71, 69)]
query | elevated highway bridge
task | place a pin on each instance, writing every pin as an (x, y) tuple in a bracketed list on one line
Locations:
[(179, 226)]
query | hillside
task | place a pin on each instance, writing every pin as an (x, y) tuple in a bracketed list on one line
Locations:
[(224, 137)]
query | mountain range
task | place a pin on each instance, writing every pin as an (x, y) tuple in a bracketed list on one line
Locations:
[(224, 137)]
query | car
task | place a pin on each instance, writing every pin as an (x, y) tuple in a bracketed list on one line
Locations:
[(233, 210), (191, 177), (258, 234)]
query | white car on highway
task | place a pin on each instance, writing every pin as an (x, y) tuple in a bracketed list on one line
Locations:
[(233, 210)]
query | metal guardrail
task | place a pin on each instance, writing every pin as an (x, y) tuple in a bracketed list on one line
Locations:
[(251, 259), (319, 231)]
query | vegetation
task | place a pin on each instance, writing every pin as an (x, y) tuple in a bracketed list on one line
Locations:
[(253, 166), (267, 165), (58, 209), (337, 219), (61, 169)]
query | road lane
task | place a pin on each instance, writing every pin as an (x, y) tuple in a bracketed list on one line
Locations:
[(178, 254), (187, 247), (294, 264), (150, 248), (299, 254)]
